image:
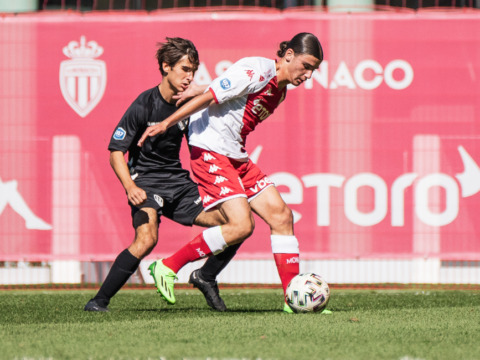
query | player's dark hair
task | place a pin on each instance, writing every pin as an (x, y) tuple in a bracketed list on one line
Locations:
[(302, 43), (173, 50)]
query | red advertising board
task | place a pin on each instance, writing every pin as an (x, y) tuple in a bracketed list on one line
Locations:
[(377, 155)]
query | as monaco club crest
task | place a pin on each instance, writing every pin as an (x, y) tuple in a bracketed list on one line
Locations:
[(83, 78)]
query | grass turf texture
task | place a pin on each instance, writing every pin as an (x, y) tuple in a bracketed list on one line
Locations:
[(366, 324)]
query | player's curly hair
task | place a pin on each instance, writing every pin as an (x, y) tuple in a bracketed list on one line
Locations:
[(302, 43), (173, 49)]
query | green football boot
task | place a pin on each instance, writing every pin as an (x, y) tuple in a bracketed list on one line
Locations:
[(287, 309), (164, 280)]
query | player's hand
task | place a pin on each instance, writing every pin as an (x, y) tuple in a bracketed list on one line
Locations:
[(136, 195), (192, 91), (152, 131)]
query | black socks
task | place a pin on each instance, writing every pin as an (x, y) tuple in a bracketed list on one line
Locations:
[(124, 266), (216, 263)]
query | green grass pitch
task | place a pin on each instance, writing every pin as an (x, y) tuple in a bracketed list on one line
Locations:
[(365, 324)]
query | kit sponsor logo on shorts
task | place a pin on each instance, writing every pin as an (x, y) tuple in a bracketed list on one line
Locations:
[(261, 184), (208, 157), (214, 168), (219, 179), (158, 199), (225, 190), (207, 199)]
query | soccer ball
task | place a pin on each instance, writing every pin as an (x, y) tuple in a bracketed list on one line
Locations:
[(307, 293)]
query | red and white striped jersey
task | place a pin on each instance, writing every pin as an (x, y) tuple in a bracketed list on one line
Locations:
[(245, 95)]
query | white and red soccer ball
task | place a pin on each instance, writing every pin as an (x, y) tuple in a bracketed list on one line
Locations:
[(307, 293)]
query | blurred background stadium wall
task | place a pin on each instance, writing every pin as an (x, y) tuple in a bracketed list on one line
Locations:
[(378, 154)]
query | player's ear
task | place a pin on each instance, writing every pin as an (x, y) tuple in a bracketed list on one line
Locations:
[(166, 68), (289, 55)]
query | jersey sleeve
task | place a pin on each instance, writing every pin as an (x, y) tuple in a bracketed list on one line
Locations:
[(247, 76), (127, 130)]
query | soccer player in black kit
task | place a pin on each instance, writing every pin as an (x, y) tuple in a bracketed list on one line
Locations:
[(154, 180)]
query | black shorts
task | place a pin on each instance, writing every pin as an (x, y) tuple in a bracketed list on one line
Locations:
[(179, 202)]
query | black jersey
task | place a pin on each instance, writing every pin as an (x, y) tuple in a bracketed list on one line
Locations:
[(158, 160)]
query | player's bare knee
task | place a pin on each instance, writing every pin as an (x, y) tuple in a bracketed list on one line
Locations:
[(281, 220), (244, 229), (144, 243), (248, 230), (287, 216)]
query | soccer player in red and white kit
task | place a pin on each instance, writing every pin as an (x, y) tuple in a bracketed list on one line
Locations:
[(233, 105)]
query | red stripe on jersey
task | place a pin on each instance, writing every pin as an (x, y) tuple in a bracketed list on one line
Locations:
[(261, 105)]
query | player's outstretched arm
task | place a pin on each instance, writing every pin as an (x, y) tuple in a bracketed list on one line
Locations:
[(196, 104), (135, 194), (192, 91)]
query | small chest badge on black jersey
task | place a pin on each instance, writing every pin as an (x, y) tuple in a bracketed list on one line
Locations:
[(182, 125)]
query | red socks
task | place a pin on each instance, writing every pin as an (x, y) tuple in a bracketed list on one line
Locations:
[(288, 266), (286, 253), (194, 250)]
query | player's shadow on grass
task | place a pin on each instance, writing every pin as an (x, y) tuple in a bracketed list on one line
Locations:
[(203, 309)]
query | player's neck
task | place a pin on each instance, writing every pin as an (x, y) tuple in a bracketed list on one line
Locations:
[(282, 83), (167, 92), (282, 80)]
